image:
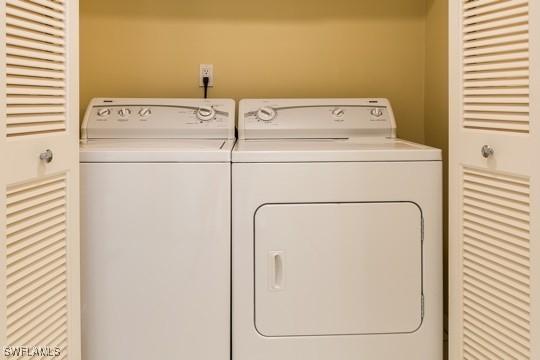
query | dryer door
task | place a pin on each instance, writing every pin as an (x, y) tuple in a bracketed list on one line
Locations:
[(338, 269)]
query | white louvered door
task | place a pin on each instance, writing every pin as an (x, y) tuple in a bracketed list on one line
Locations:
[(494, 202), (39, 199)]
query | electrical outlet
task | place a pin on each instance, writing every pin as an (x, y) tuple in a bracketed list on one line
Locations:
[(206, 70)]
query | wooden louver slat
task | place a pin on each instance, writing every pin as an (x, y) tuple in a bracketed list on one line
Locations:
[(496, 265), (36, 263), (496, 73), (35, 65)]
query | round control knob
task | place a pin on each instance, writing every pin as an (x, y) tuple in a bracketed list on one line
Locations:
[(124, 112), (377, 112), (206, 113), (266, 113), (338, 113), (144, 112), (104, 112)]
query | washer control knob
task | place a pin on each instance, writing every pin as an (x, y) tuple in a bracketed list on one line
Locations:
[(104, 112), (266, 113), (124, 112), (144, 112), (206, 113), (377, 112), (338, 113)]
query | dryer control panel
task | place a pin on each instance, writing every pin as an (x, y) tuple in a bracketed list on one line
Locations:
[(315, 118), (159, 119)]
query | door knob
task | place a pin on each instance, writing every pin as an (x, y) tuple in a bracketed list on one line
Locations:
[(487, 151), (46, 156)]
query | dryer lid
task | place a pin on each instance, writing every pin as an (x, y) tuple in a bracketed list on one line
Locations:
[(332, 150)]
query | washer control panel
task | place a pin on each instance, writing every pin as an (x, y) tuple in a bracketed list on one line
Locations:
[(315, 118), (159, 118)]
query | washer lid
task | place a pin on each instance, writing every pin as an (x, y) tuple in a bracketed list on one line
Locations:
[(164, 150), (335, 150)]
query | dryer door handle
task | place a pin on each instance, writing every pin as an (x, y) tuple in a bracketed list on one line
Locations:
[(277, 262)]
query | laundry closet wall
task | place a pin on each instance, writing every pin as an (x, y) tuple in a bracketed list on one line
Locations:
[(436, 99), (270, 48), (274, 48)]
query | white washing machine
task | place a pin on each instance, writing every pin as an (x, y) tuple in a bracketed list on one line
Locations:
[(155, 199), (337, 234)]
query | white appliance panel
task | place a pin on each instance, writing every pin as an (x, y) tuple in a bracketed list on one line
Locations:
[(159, 119), (338, 269), (258, 184), (315, 118), (156, 259)]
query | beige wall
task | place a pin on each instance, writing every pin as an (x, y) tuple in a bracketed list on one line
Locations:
[(436, 100), (272, 48)]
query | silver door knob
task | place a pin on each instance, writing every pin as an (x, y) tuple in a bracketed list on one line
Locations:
[(46, 156), (487, 151)]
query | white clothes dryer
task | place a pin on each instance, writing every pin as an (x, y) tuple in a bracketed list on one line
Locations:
[(337, 234)]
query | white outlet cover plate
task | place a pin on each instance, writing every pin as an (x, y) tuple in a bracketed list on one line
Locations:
[(206, 68)]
